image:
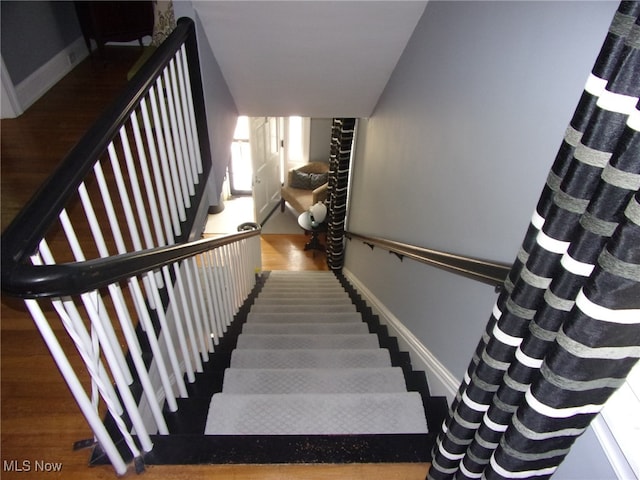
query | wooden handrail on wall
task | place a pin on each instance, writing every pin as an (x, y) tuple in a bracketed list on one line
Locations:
[(485, 271)]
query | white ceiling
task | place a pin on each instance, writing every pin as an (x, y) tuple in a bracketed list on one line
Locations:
[(308, 58)]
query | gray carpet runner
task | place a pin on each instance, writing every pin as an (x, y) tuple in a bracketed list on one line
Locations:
[(306, 364)]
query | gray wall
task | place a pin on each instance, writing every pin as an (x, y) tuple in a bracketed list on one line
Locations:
[(456, 153), (320, 139), (32, 33)]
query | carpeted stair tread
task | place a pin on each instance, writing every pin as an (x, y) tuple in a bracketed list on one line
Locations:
[(312, 295), (305, 328), (302, 308), (314, 380), (323, 281), (331, 358), (306, 363), (276, 275), (303, 317), (312, 342), (303, 291), (301, 273), (317, 414), (301, 285), (276, 282), (318, 301)]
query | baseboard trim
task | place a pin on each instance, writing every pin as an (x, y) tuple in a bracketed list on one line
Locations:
[(611, 448), (39, 82), (441, 380)]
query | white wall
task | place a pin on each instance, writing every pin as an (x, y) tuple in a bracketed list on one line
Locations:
[(456, 154)]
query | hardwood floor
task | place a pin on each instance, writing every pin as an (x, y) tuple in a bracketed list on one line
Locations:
[(39, 420), (286, 252)]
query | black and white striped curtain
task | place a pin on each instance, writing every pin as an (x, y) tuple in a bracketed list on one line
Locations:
[(342, 132), (565, 330)]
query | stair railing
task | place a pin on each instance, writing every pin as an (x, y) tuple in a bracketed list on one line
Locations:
[(104, 255), (485, 271)]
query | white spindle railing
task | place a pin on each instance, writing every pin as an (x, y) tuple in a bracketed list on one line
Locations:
[(136, 197)]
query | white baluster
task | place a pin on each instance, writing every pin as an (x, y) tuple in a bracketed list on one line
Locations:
[(76, 329), (146, 178), (177, 320), (111, 213), (177, 105), (217, 300), (91, 306), (208, 290), (188, 117), (164, 172), (108, 327), (189, 95), (225, 285), (164, 327), (200, 297), (198, 316), (145, 319), (171, 156), (189, 321), (137, 198), (175, 135), (75, 386)]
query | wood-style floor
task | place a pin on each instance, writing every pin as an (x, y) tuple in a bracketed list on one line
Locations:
[(39, 420)]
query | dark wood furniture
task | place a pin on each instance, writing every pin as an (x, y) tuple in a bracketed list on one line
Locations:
[(114, 21)]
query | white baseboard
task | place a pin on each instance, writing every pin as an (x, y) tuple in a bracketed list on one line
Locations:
[(39, 82), (441, 381), (611, 449)]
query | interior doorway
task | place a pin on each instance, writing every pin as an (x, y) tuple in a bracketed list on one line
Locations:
[(263, 149)]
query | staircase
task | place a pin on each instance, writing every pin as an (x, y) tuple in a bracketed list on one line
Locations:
[(306, 364), (305, 375)]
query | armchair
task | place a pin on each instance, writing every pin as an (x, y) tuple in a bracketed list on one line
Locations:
[(306, 186)]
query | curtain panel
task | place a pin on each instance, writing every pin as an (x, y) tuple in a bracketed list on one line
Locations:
[(342, 132), (565, 330)]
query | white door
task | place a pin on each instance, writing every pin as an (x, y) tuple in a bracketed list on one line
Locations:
[(265, 154)]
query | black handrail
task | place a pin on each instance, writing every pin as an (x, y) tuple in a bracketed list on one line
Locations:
[(489, 272), (21, 238), (66, 279)]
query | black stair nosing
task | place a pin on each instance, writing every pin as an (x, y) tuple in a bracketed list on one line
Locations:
[(437, 408), (191, 416), (285, 449), (414, 382)]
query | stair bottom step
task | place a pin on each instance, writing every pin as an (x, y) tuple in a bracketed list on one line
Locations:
[(287, 449), (313, 414)]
